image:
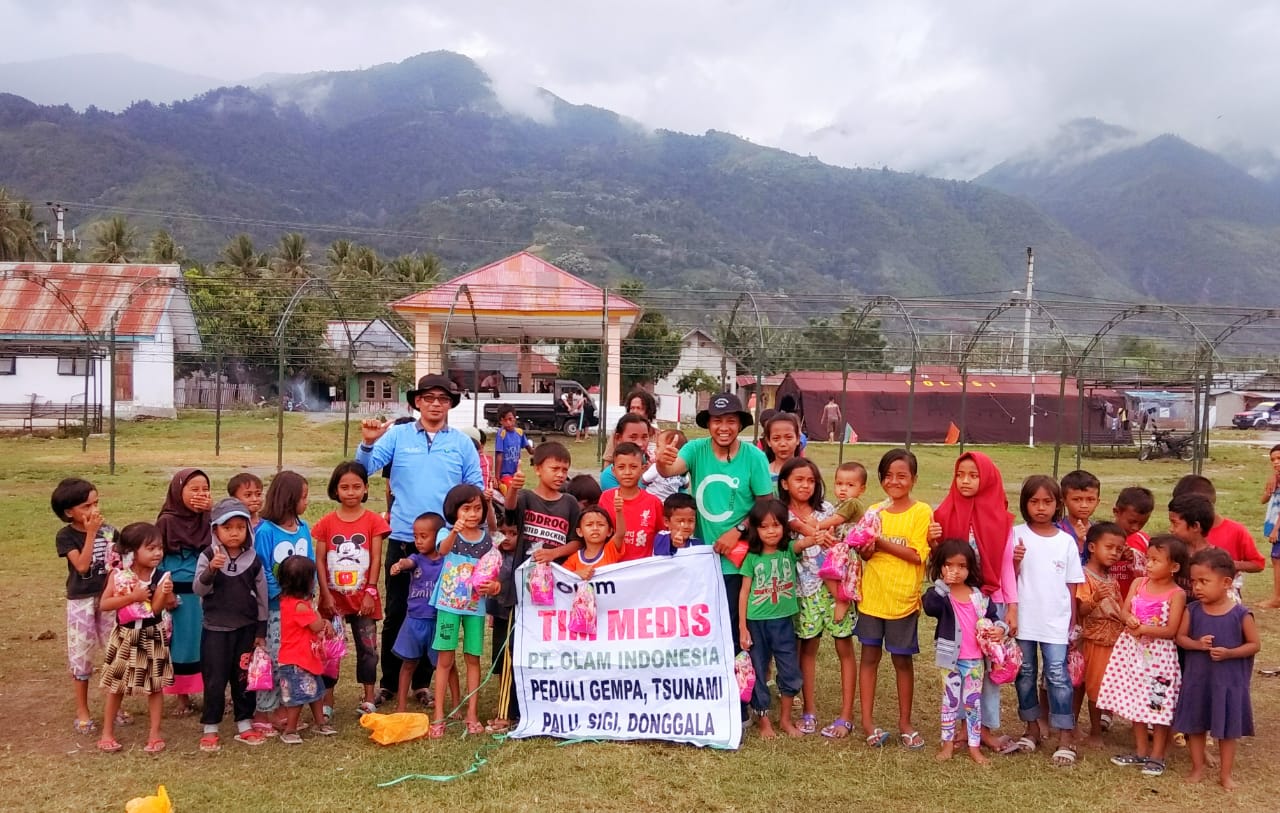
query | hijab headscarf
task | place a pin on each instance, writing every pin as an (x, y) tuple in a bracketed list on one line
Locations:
[(987, 513), (181, 527)]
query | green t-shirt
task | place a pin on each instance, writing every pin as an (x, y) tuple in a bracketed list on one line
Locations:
[(725, 490), (773, 585)]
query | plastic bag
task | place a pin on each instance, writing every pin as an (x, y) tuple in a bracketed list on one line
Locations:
[(835, 564), (582, 614), (486, 570), (746, 675), (542, 585), (389, 729), (850, 587), (260, 671), (738, 553), (1075, 666), (127, 582), (335, 649), (150, 804), (865, 531), (1004, 657)]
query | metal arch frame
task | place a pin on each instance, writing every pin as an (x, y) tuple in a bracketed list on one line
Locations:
[(1251, 318), (285, 316), (1206, 350), (91, 338), (463, 289), (995, 313), (881, 303), (760, 357)]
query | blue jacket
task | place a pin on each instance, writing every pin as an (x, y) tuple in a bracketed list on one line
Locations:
[(937, 603)]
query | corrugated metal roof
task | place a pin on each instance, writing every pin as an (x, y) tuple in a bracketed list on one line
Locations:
[(62, 299), (519, 283)]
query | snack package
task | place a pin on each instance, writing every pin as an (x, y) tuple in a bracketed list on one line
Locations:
[(738, 553), (335, 648), (582, 614), (542, 585), (864, 531), (127, 582), (835, 564), (259, 671), (486, 570), (1004, 658), (850, 588), (746, 675), (1075, 666)]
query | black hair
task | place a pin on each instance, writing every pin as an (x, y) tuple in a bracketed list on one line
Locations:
[(1274, 449), (763, 509), (677, 502), (1196, 484), (136, 534), (893, 456), (239, 481), (283, 495), (594, 509), (628, 419), (788, 468), (855, 468), (1080, 480), (583, 488), (1031, 486), (1138, 498), (955, 547), (1195, 509), (348, 467), (1098, 530), (1217, 560), (551, 450), (68, 494), (785, 417), (459, 496), (628, 449), (504, 410), (296, 576), (649, 403), (1177, 550), (673, 436), (429, 516)]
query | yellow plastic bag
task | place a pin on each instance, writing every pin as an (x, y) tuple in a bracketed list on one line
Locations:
[(150, 804), (389, 729)]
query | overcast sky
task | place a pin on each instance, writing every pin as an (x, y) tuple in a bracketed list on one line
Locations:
[(936, 86)]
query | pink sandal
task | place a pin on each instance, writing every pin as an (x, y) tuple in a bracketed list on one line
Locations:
[(436, 731)]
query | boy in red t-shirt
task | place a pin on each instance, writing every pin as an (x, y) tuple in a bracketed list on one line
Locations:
[(642, 510), (1132, 510), (1223, 533)]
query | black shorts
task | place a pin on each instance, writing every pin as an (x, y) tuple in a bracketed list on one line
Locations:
[(898, 635)]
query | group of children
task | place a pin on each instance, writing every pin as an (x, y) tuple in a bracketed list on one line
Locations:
[(1148, 629)]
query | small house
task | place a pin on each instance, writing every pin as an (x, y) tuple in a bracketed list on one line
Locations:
[(376, 349), (698, 351)]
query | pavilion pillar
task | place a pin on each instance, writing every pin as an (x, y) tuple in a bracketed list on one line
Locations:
[(524, 366), (428, 354), (613, 357)]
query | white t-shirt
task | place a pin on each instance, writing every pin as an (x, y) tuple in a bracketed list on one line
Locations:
[(1044, 598)]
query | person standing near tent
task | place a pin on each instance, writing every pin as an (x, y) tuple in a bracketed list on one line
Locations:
[(832, 420)]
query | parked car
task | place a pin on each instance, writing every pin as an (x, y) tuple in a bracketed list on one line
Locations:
[(1262, 415)]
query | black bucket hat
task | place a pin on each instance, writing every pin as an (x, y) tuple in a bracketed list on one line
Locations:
[(434, 382), (725, 403)]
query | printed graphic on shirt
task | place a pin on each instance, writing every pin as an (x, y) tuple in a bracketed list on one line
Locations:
[(774, 579), (348, 562), (544, 530)]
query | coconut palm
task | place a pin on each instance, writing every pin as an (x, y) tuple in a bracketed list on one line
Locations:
[(18, 228), (241, 255), (113, 241), (164, 250), (414, 271), (291, 257)]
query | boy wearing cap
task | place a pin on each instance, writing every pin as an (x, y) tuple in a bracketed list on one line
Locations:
[(426, 459)]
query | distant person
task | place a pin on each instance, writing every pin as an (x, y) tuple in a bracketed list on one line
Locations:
[(508, 443), (576, 402), (491, 384), (832, 420)]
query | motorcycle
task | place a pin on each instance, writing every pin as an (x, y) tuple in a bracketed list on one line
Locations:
[(1164, 443)]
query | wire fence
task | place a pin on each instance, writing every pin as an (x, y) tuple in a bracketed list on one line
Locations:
[(1063, 369)]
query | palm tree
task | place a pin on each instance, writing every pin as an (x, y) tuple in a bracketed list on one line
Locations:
[(164, 250), (291, 258), (113, 241), (341, 258), (240, 254), (18, 228), (414, 271)]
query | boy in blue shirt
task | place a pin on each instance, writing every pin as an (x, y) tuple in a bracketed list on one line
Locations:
[(508, 444), (680, 512)]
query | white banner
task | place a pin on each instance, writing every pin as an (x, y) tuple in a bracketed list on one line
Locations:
[(660, 666)]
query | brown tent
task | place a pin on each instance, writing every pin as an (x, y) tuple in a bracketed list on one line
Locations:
[(875, 405)]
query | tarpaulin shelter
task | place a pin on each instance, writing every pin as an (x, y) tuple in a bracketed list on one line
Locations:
[(875, 405)]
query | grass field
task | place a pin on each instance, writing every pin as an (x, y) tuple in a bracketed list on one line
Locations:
[(48, 768)]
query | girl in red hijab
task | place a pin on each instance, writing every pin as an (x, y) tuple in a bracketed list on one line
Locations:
[(977, 510)]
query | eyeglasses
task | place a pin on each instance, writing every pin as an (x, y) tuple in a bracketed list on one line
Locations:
[(435, 399)]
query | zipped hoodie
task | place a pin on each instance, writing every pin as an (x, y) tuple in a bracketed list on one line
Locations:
[(236, 596), (937, 603)]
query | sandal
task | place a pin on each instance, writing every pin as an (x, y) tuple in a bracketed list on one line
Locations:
[(84, 726), (1128, 760), (291, 738), (326, 730), (498, 726), (183, 711), (1064, 757), (878, 738), (366, 708), (209, 744), (1005, 746), (265, 729), (251, 737), (808, 723), (475, 727), (436, 731), (912, 741), (1026, 745), (1154, 767), (425, 697), (838, 730), (382, 696), (109, 746), (154, 746)]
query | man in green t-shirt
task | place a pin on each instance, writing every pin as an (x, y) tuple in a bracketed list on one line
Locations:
[(726, 477)]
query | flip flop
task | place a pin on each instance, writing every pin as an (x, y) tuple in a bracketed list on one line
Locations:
[(154, 746), (84, 726), (913, 741), (475, 728), (1026, 745), (1006, 746), (109, 746), (838, 730), (497, 726), (436, 731), (808, 723), (878, 738)]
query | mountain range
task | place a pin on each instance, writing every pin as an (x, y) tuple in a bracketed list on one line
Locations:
[(425, 155)]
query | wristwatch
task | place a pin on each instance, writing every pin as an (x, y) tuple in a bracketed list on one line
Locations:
[(372, 590)]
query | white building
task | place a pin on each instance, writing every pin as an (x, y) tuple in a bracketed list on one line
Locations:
[(698, 351), (56, 329)]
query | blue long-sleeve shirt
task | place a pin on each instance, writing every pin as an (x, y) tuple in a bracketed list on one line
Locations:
[(423, 470)]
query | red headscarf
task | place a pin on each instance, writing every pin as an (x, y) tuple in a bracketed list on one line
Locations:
[(987, 513)]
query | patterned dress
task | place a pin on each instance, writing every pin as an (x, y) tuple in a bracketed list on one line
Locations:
[(137, 659), (1143, 680)]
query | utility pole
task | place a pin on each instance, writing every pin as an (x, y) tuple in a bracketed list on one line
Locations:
[(1026, 346), (60, 227)]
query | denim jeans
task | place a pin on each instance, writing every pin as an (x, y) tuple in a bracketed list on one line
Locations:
[(774, 639), (991, 691), (1055, 673)]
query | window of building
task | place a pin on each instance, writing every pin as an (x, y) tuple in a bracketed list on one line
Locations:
[(74, 365), (370, 389), (8, 365), (386, 389)]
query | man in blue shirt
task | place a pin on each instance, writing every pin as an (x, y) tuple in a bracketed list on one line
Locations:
[(427, 459)]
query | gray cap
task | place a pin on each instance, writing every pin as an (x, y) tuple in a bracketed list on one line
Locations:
[(227, 508)]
